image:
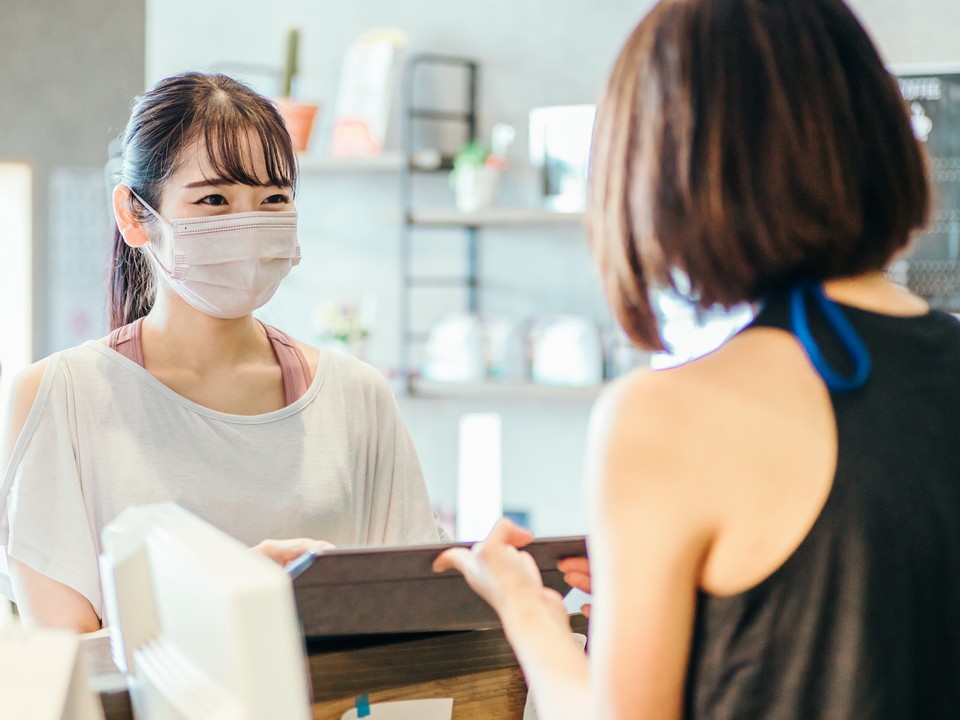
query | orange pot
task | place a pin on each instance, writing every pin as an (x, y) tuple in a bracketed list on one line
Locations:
[(298, 117)]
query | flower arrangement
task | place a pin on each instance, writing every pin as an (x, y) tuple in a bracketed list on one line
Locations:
[(341, 326)]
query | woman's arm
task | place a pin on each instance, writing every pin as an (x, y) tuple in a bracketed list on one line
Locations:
[(48, 603), (534, 619), (650, 529), (652, 520), (40, 600)]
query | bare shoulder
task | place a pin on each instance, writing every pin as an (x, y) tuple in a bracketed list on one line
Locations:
[(23, 394), (688, 424), (26, 384), (348, 367), (311, 354)]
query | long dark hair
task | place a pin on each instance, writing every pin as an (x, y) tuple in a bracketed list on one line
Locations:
[(750, 144), (219, 112)]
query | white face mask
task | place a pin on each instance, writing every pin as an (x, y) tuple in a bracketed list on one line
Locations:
[(227, 266)]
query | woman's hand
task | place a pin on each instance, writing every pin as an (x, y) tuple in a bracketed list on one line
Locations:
[(283, 551), (505, 576), (576, 574)]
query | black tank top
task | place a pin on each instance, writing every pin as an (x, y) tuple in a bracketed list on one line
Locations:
[(863, 619)]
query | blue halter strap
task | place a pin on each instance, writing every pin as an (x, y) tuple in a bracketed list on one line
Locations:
[(845, 332)]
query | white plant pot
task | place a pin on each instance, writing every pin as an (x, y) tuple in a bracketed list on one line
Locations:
[(475, 187)]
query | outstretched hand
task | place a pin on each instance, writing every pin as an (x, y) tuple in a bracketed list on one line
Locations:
[(283, 551), (502, 574)]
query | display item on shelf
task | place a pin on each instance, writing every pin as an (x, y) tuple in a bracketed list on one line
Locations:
[(566, 350)]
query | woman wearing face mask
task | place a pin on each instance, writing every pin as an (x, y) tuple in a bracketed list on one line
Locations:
[(775, 527), (190, 398)]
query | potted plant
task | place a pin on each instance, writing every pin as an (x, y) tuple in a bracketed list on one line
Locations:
[(477, 168), (342, 327), (298, 116), (475, 175)]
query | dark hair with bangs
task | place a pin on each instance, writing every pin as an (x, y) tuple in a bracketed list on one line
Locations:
[(750, 144), (219, 112)]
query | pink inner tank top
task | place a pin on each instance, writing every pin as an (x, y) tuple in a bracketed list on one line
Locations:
[(127, 341)]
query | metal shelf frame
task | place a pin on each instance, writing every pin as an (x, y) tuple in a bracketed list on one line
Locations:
[(412, 111)]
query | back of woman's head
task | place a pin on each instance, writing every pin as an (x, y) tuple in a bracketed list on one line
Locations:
[(214, 112), (750, 144)]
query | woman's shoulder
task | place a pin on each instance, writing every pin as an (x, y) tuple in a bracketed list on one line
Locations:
[(712, 416), (23, 393), (347, 369), (755, 368), (26, 384)]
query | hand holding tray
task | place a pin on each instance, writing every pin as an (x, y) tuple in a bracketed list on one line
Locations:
[(373, 591)]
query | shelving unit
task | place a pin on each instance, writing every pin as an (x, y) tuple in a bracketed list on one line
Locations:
[(413, 111), (316, 164), (494, 217), (498, 390), (421, 219)]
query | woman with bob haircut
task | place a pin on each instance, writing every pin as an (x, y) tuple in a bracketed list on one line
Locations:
[(190, 398), (775, 527)]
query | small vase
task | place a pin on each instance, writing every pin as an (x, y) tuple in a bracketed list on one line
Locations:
[(299, 118), (475, 187)]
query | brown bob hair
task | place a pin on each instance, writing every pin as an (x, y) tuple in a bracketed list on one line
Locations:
[(750, 144), (214, 110)]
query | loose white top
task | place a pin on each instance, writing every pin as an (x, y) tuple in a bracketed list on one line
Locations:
[(337, 465)]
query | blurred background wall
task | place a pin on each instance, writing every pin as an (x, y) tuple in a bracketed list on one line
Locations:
[(70, 69)]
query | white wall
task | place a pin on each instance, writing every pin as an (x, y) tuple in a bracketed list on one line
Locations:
[(16, 274), (532, 52)]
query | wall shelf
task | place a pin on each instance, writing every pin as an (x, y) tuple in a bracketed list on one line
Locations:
[(389, 162), (318, 164), (493, 217), (496, 390)]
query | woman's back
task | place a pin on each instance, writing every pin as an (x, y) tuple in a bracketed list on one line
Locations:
[(760, 547), (860, 616)]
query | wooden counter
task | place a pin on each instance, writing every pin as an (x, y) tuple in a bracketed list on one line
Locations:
[(477, 669)]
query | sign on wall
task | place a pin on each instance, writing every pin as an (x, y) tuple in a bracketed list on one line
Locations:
[(933, 269), (934, 101)]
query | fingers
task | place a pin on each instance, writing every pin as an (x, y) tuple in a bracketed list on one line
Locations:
[(585, 609), (576, 572), (574, 565), (504, 533), (456, 558), (507, 532), (578, 580), (318, 546), (283, 551)]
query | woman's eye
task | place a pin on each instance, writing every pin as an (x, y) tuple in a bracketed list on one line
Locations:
[(214, 199), (274, 199)]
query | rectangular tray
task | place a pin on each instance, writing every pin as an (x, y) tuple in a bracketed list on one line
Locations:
[(384, 591)]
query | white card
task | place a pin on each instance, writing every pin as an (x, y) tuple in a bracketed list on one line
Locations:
[(433, 709)]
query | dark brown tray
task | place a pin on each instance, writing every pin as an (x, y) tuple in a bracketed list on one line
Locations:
[(389, 591)]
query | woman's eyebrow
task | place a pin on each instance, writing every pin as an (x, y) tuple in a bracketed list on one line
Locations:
[(208, 182), (217, 181)]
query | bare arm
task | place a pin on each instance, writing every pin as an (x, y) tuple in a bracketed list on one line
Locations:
[(40, 600), (651, 525)]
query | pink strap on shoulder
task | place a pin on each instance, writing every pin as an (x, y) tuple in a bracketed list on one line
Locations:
[(127, 341), (293, 364)]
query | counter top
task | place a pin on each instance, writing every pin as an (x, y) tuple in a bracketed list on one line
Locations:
[(477, 669)]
